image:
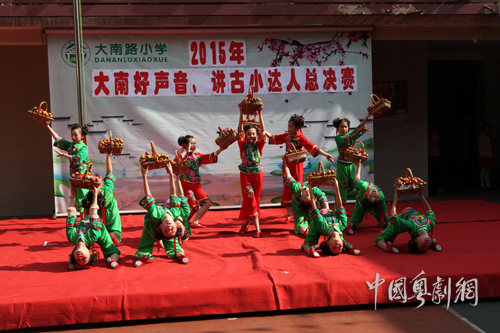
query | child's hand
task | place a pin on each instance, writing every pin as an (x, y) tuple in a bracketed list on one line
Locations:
[(330, 158), (110, 154), (260, 109), (73, 191), (59, 153), (364, 129), (144, 171), (169, 169), (396, 195), (97, 187)]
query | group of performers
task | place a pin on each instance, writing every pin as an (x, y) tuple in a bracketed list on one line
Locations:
[(171, 223)]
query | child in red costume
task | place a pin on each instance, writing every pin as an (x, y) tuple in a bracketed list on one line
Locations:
[(295, 138), (191, 180), (251, 141)]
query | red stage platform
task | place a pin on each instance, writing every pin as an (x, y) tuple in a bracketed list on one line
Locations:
[(232, 273)]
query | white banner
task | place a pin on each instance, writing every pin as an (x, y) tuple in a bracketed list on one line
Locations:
[(179, 97)]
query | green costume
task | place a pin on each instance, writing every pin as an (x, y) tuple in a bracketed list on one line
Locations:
[(323, 222), (357, 215), (409, 221), (111, 217), (346, 170), (79, 159), (179, 209), (297, 189), (90, 231)]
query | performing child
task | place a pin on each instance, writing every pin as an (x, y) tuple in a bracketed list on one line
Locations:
[(78, 154), (85, 233), (301, 198), (295, 138), (415, 223), (191, 180), (108, 209), (251, 141), (162, 223), (330, 224), (346, 169), (370, 199)]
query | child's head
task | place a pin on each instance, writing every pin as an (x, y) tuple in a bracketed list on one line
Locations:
[(188, 142), (295, 123), (333, 246), (77, 132), (101, 200), (372, 201), (305, 201), (251, 133), (420, 244), (83, 257), (168, 229), (342, 125)]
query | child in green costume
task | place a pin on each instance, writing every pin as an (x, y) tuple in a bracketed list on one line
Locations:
[(85, 233), (415, 223), (108, 209), (78, 155), (344, 139), (300, 197), (330, 224), (164, 224), (370, 199)]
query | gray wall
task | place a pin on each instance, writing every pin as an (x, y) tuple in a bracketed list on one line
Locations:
[(26, 159), (401, 145)]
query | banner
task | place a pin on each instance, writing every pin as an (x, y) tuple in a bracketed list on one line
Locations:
[(161, 87)]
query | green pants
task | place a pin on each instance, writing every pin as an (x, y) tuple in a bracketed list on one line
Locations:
[(81, 193), (114, 223), (299, 218), (346, 173)]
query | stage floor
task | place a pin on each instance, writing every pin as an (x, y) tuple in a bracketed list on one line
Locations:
[(232, 273)]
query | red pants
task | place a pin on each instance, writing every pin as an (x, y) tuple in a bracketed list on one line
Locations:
[(199, 194), (297, 172), (251, 188)]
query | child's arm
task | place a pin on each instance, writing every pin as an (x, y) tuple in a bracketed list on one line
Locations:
[(396, 198), (173, 192), (328, 156), (426, 204), (145, 181), (179, 186), (269, 135), (95, 207), (240, 123), (262, 126), (361, 127), (109, 166), (71, 207), (338, 197), (286, 170), (61, 154), (52, 132), (313, 198), (358, 170)]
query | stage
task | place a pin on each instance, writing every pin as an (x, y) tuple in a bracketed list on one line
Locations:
[(233, 273)]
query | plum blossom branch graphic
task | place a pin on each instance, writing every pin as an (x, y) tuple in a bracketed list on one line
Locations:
[(317, 52)]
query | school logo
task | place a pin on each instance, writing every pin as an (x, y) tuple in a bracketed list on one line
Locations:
[(68, 53)]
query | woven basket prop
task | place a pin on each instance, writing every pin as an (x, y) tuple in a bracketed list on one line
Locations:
[(43, 116), (355, 154), (379, 106), (110, 145), (155, 160), (226, 137), (179, 165), (409, 185), (250, 121), (86, 179), (251, 104), (294, 156), (321, 178)]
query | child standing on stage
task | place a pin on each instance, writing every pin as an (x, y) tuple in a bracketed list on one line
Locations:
[(251, 141), (370, 199), (415, 223), (301, 198), (78, 154), (344, 139), (108, 209), (85, 233), (191, 180), (328, 223), (161, 223), (295, 139)]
